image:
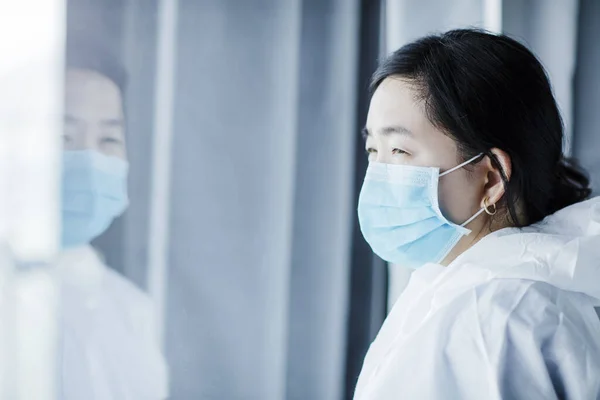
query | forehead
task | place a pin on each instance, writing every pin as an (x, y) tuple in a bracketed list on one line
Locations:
[(91, 93), (395, 103)]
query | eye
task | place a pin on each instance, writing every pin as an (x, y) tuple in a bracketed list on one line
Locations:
[(111, 140), (397, 151), (371, 150)]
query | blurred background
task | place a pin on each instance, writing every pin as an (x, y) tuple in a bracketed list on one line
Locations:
[(242, 121)]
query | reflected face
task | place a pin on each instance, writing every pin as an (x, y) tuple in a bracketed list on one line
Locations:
[(398, 132), (94, 117)]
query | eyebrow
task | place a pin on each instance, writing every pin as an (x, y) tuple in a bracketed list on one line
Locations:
[(110, 122), (388, 130), (113, 122)]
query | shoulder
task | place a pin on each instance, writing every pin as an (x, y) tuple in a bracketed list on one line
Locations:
[(526, 313), (132, 300), (527, 326), (527, 304), (122, 287), (82, 272), (514, 297)]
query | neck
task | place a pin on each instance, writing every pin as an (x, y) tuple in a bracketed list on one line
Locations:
[(468, 241)]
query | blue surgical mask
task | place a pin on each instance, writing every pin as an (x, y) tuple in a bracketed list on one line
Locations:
[(94, 193), (400, 216)]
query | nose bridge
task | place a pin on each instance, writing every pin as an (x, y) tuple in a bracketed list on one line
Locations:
[(89, 137), (383, 157)]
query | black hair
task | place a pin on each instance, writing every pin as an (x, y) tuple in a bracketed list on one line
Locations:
[(489, 91), (89, 54)]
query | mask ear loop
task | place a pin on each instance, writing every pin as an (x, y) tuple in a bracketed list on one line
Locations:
[(469, 161), (459, 166), (486, 207), (477, 214)]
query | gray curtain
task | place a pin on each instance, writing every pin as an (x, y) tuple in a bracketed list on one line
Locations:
[(549, 29), (261, 192), (322, 225), (407, 20)]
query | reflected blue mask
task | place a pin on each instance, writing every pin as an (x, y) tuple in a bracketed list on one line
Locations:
[(94, 193), (400, 216)]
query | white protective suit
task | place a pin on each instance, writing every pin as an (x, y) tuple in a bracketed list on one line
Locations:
[(108, 348), (511, 318)]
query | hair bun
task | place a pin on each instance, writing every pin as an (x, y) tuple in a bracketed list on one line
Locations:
[(572, 184)]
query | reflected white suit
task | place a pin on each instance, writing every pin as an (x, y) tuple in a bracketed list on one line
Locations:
[(108, 348)]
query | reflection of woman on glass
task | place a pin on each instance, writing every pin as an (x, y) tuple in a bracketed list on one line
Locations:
[(108, 349)]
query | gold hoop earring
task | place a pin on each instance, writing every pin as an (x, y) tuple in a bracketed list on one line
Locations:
[(487, 207)]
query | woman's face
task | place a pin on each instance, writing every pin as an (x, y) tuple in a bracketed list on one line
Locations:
[(398, 132), (93, 114)]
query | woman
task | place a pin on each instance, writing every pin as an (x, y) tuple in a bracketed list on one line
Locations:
[(467, 184), (108, 347)]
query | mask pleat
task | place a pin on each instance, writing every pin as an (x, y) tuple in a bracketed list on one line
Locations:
[(94, 192), (399, 215)]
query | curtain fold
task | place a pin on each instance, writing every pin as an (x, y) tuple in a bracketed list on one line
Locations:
[(261, 194), (408, 20), (322, 225), (586, 128), (232, 198), (549, 29)]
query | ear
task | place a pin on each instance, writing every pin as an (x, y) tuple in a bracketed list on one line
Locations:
[(494, 185)]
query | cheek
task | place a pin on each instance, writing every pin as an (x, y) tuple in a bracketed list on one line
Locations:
[(459, 196), (115, 151)]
